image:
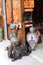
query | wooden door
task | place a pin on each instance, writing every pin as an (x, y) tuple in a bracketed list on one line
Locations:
[(14, 14)]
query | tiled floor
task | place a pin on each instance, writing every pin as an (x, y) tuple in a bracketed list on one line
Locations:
[(26, 60)]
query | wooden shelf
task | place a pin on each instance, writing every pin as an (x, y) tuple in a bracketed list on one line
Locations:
[(28, 7), (28, 23)]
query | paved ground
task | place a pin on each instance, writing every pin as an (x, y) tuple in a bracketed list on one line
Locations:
[(38, 53), (4, 60)]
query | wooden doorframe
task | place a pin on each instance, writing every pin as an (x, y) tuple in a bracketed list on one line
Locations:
[(4, 19)]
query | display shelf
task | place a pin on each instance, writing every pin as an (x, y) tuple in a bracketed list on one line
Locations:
[(28, 5)]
